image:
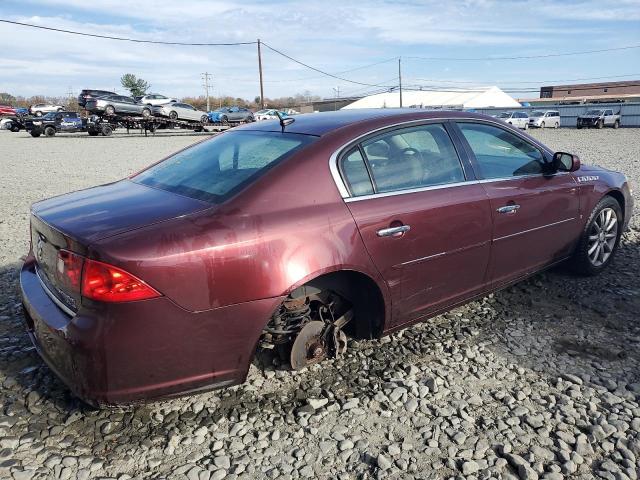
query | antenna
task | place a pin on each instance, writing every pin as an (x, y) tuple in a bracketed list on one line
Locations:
[(284, 121)]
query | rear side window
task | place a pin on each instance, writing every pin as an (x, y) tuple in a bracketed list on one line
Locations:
[(355, 173), (501, 154), (215, 169), (413, 157)]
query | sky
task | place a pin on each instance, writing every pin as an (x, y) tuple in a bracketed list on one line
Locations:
[(361, 39)]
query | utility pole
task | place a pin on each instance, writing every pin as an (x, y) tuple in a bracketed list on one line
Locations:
[(260, 71), (206, 76), (400, 79), (336, 91)]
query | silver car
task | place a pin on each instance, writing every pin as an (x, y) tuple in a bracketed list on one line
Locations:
[(544, 118), (40, 109), (117, 105), (181, 111), (154, 99)]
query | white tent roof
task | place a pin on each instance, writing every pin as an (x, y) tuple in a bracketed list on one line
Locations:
[(477, 98)]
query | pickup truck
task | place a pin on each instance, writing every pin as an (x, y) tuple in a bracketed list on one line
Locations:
[(63, 122), (599, 118)]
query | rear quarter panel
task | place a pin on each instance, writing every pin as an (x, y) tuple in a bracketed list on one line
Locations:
[(288, 227)]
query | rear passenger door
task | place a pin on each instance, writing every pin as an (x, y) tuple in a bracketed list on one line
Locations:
[(535, 212), (426, 227)]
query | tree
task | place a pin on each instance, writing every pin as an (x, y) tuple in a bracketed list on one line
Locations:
[(136, 86), (7, 98)]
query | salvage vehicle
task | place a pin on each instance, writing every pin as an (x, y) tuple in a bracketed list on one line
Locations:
[(180, 111), (544, 118), (231, 115), (40, 109), (117, 105), (89, 94), (269, 114), (517, 119), (599, 118), (295, 235)]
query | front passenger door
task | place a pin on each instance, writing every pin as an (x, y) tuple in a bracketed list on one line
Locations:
[(535, 211)]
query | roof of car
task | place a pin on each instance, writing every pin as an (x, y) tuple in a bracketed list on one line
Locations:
[(324, 122)]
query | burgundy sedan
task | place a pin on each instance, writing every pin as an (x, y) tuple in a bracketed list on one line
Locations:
[(295, 235)]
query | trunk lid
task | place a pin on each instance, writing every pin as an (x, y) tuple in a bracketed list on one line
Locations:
[(75, 220)]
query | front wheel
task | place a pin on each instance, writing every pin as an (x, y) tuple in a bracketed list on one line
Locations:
[(204, 119), (526, 126), (600, 237), (109, 110), (616, 124), (600, 124), (146, 113), (49, 132), (556, 125), (34, 133), (173, 115)]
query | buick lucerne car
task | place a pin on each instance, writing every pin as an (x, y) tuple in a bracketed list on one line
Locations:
[(295, 235)]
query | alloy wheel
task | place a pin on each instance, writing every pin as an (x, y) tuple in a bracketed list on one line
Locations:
[(602, 237)]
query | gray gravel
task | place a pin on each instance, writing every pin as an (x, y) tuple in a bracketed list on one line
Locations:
[(541, 380)]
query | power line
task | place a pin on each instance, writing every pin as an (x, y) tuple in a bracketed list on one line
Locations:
[(317, 69), (524, 57), (125, 39)]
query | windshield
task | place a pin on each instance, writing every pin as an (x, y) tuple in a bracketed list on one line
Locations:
[(217, 168), (536, 113), (594, 112), (504, 115)]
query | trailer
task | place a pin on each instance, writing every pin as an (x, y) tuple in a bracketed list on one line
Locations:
[(151, 124)]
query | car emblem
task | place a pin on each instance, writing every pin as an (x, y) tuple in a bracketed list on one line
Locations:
[(40, 247)]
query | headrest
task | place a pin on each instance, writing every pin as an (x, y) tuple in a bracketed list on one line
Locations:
[(377, 149)]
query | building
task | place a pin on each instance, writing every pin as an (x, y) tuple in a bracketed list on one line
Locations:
[(607, 89), (481, 97)]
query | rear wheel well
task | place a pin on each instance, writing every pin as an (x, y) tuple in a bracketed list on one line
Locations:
[(361, 291), (618, 197)]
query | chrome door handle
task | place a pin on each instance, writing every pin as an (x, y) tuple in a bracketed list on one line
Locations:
[(509, 209), (391, 231)]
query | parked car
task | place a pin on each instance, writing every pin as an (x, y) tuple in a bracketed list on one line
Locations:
[(544, 118), (40, 109), (598, 118), (89, 94), (155, 99), (295, 235), (269, 114), (6, 110), (231, 115), (181, 111), (55, 122), (517, 119), (117, 105)]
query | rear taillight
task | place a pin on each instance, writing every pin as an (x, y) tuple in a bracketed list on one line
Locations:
[(69, 270), (106, 283)]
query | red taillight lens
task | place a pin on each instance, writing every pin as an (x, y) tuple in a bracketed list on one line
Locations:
[(69, 270), (106, 283)]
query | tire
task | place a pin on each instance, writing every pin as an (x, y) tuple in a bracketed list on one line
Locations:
[(542, 125), (556, 125), (600, 124), (526, 126), (579, 127), (146, 113), (34, 133), (38, 113), (224, 120), (106, 130), (109, 110), (250, 119), (49, 132), (583, 261), (204, 119), (15, 128), (173, 115), (616, 124), (93, 133)]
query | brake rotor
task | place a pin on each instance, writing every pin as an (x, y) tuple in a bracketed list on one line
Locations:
[(309, 347)]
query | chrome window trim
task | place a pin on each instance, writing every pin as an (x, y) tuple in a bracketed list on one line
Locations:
[(445, 185), (344, 191), (55, 299)]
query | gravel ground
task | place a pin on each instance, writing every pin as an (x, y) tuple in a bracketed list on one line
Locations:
[(541, 380)]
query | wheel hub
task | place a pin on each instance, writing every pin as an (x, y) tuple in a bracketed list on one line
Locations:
[(309, 346)]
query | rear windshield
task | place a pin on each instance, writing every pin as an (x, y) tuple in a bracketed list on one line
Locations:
[(217, 168)]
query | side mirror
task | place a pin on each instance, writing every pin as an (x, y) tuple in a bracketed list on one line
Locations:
[(565, 162)]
